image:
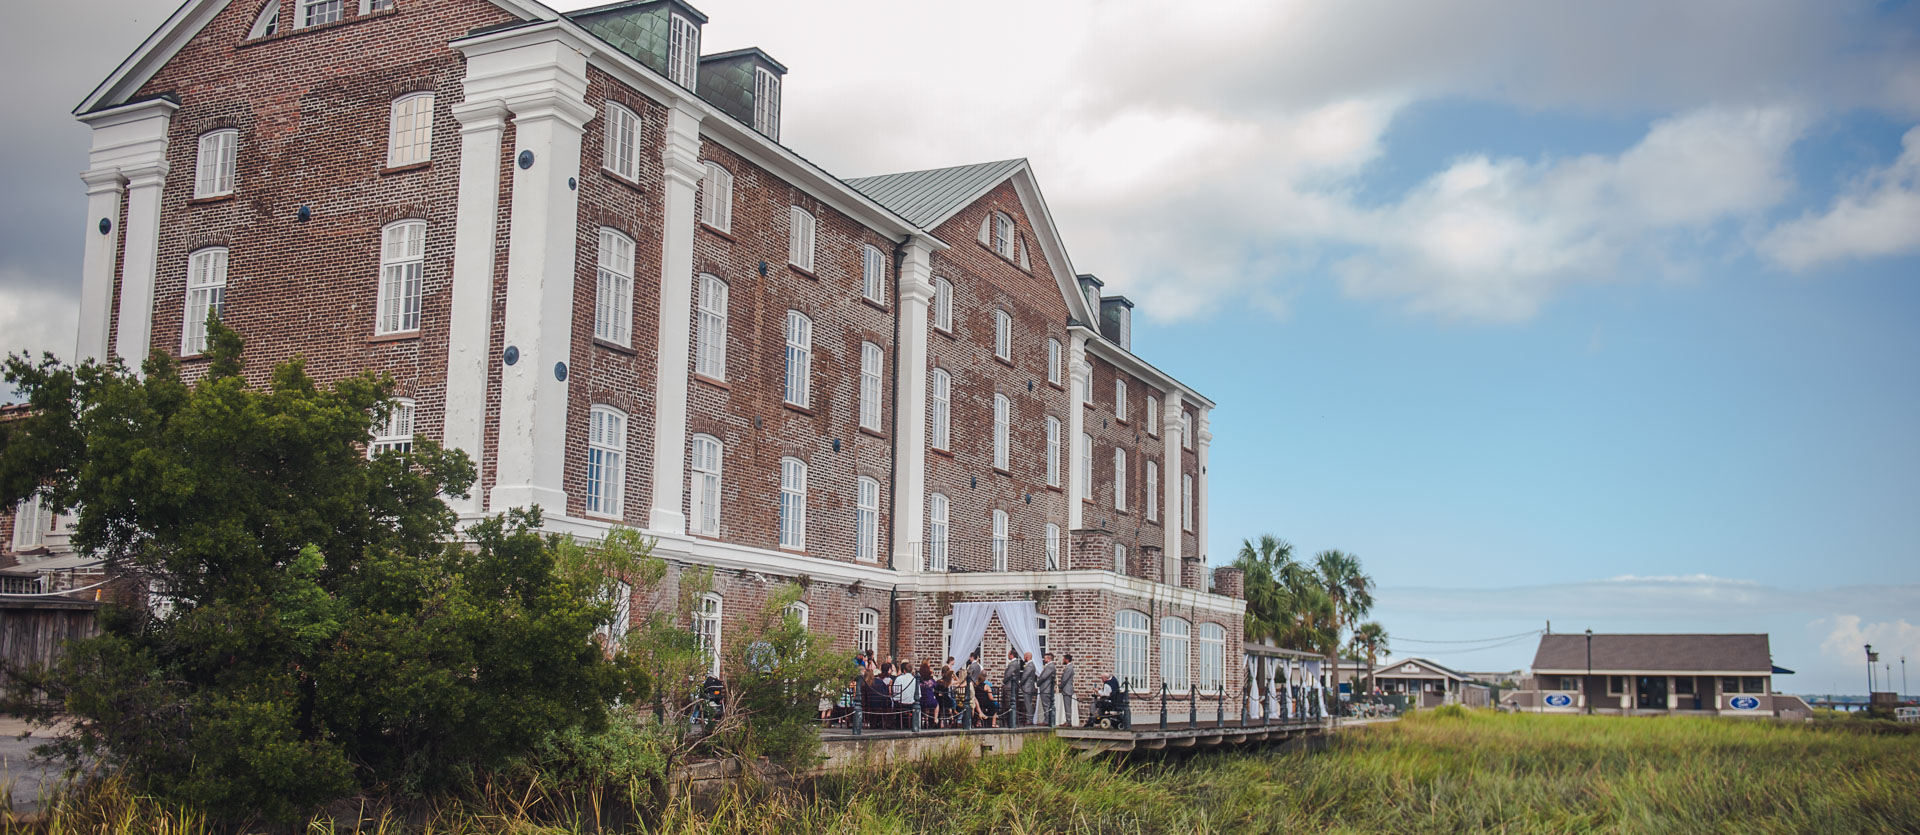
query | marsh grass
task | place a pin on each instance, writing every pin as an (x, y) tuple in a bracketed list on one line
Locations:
[(1434, 772)]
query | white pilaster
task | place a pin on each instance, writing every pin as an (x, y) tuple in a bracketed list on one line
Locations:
[(1202, 438), (134, 334), (910, 397), (540, 75), (104, 190), (470, 312), (1080, 378), (1173, 521), (672, 372)]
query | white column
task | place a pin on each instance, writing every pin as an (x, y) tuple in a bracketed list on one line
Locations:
[(471, 304), (540, 298), (1171, 440), (1202, 439), (104, 189), (910, 399), (129, 146), (1080, 377), (672, 373)]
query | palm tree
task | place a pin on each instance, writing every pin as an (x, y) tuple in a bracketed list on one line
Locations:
[(1266, 565), (1370, 640), (1350, 588)]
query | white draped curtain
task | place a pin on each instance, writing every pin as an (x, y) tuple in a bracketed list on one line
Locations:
[(1319, 688), (1018, 618)]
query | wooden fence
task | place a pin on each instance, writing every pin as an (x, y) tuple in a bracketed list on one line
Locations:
[(32, 631)]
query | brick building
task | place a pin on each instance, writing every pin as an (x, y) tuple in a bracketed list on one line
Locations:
[(581, 250)]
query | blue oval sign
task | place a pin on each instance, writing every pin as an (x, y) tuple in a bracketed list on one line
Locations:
[(1745, 703), (1559, 700)]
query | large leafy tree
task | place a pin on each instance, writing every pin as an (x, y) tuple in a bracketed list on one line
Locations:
[(326, 629)]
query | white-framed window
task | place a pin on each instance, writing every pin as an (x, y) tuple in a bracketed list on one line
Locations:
[(873, 273), (1186, 501), (616, 627), (622, 152), (1053, 547), (870, 359), (716, 192), (683, 51), (1040, 628), (1053, 451), (403, 258), (706, 629), (1153, 490), (1119, 478), (1153, 415), (370, 6), (1002, 431), (1086, 467), (793, 504), (937, 532), (1176, 645), (31, 521), (606, 461), (766, 103), (800, 238), (940, 410), (1086, 389), (267, 22), (410, 130), (943, 304), (317, 12), (1053, 361), (1130, 649), (396, 433), (800, 612), (999, 540), (1213, 658), (1002, 335), (1119, 559), (613, 300), (866, 636), (206, 294), (710, 338), (1120, 399), (1186, 429), (1003, 234), (866, 521), (799, 383), (214, 168), (705, 495)]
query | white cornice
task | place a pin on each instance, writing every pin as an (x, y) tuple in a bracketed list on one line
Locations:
[(1133, 364), (1075, 580), (1599, 672)]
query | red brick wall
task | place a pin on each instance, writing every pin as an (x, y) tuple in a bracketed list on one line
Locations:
[(1110, 430)]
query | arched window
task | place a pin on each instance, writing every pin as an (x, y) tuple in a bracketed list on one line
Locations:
[(1053, 451), (943, 304), (616, 627), (403, 256), (866, 637), (705, 495), (793, 504), (1053, 361), (206, 296), (1153, 415), (1186, 501), (870, 359), (410, 130), (396, 433), (710, 354), (800, 238), (267, 22), (613, 301), (213, 169), (1120, 399), (940, 409), (706, 630), (1003, 235), (800, 613), (1175, 645), (867, 520), (1153, 491), (621, 153), (1119, 478), (799, 385), (606, 461), (1130, 649), (999, 540), (766, 103), (683, 51), (1119, 559), (1002, 431), (1086, 466), (716, 198), (1002, 335), (937, 532), (873, 272), (1213, 658)]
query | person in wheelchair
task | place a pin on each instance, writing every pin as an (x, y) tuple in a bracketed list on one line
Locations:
[(1110, 708)]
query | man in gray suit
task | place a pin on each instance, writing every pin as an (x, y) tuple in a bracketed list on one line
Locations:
[(1043, 713), (1015, 677), (1065, 708), (1029, 687)]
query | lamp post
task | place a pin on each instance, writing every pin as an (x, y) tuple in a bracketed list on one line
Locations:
[(1870, 660), (1586, 685)]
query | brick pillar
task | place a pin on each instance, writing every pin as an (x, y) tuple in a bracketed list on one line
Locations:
[(1230, 582), (1148, 562), (1091, 549)]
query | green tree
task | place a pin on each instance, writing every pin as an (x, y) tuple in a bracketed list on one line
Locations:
[(327, 631), (1370, 642), (1350, 589)]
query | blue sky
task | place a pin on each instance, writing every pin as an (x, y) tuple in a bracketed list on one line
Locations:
[(1597, 313)]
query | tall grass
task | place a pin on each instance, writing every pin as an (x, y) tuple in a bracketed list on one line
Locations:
[(1432, 772)]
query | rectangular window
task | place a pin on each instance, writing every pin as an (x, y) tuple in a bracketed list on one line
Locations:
[(317, 12), (1213, 658), (622, 601), (397, 433), (1002, 335), (1153, 415), (716, 195), (1616, 685), (766, 103), (1153, 490), (1053, 547), (939, 409), (613, 301), (710, 338), (622, 152), (867, 521), (1186, 501), (1130, 650), (1175, 647), (943, 304), (1053, 451), (1003, 235), (870, 359), (1053, 361), (793, 504), (206, 296), (410, 131), (214, 167), (799, 386), (873, 268), (1119, 559), (937, 532), (705, 495), (1119, 478), (867, 634), (800, 238), (683, 52), (1186, 430), (1002, 430), (30, 523), (1086, 467), (606, 461), (999, 540), (403, 254), (376, 6), (1120, 399), (706, 631)]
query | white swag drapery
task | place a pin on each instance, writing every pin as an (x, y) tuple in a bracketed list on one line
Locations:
[(1018, 617)]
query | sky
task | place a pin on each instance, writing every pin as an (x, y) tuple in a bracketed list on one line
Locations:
[(1600, 314)]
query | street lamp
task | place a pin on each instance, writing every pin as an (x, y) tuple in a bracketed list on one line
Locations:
[(1586, 686), (1870, 659)]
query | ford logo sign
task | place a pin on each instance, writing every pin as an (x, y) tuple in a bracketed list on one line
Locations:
[(1559, 700), (1745, 703)]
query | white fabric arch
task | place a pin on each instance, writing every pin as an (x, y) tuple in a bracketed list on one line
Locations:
[(1018, 618)]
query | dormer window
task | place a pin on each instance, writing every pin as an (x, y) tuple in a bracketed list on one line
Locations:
[(766, 103), (683, 52), (268, 22)]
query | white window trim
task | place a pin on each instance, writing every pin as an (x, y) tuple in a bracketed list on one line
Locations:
[(704, 491), (867, 519), (1119, 478), (1002, 334), (1212, 641), (793, 504), (1003, 235), (1119, 559), (267, 22), (304, 14), (1086, 467), (1153, 490), (766, 103), (708, 622), (31, 521), (940, 410), (216, 163), (683, 51), (710, 346), (872, 360), (1186, 501), (621, 155), (397, 432), (1186, 430), (1053, 451), (402, 277), (1176, 651), (800, 227), (866, 635), (801, 613), (622, 601), (607, 436), (613, 294), (938, 530), (410, 134), (1053, 361), (942, 304), (1132, 631), (873, 274), (1053, 547), (999, 540), (1002, 432), (1120, 399), (1153, 416), (206, 291), (716, 204), (799, 369)]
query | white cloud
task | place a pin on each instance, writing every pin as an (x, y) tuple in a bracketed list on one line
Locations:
[(1848, 636), (34, 318), (1878, 216)]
